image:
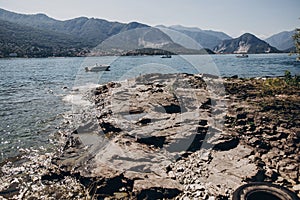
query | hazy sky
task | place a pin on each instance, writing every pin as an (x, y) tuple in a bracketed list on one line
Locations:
[(234, 17)]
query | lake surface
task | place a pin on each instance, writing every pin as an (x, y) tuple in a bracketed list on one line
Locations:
[(36, 93)]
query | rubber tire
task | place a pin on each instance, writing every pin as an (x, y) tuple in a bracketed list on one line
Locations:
[(244, 191)]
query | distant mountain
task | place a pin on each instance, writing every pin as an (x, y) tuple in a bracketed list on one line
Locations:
[(184, 28), (205, 38), (246, 43), (142, 41), (92, 31), (218, 34), (282, 41), (25, 41), (38, 20), (39, 35)]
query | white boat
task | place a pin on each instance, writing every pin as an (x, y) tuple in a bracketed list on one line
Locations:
[(97, 68), (243, 55), (166, 56)]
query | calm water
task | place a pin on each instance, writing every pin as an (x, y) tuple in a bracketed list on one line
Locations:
[(35, 93)]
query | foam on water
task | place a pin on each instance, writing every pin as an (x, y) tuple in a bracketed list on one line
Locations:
[(76, 99)]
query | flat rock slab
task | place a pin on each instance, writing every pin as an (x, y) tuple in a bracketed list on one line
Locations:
[(144, 125), (174, 136), (229, 169)]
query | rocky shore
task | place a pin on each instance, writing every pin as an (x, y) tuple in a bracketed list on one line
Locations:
[(175, 136)]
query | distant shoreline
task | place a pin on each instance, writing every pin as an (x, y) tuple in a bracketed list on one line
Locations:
[(137, 54)]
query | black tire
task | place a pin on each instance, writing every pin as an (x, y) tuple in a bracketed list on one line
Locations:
[(263, 191)]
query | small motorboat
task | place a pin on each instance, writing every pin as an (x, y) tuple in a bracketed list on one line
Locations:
[(97, 68), (166, 56), (243, 55)]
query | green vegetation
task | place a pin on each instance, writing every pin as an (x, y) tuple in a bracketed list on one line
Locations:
[(291, 80), (296, 38), (41, 36), (274, 85), (23, 41), (281, 85)]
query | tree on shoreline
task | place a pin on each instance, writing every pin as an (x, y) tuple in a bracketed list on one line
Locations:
[(296, 38)]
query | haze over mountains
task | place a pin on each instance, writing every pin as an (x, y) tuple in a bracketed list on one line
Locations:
[(41, 36), (282, 41), (246, 43), (206, 38)]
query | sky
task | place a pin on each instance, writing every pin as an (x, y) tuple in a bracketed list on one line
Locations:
[(234, 17)]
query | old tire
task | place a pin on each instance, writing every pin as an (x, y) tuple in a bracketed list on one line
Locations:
[(264, 191)]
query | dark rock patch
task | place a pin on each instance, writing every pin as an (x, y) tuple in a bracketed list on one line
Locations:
[(107, 187), (227, 144), (87, 128), (202, 130), (158, 193), (170, 109), (108, 128), (196, 143), (241, 116), (203, 122), (158, 142), (144, 121), (137, 110), (12, 190), (208, 104)]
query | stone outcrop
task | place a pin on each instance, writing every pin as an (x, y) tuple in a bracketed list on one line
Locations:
[(175, 136)]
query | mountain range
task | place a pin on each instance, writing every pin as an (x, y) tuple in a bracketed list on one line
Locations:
[(38, 35), (92, 31), (246, 43), (206, 38), (282, 41)]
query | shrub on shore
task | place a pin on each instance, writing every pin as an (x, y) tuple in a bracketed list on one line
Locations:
[(272, 86)]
